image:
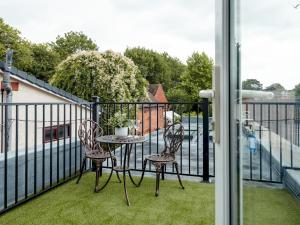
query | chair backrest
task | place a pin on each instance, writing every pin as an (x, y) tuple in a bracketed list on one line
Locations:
[(173, 137), (87, 132)]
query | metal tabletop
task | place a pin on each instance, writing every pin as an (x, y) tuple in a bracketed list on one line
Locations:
[(113, 139)]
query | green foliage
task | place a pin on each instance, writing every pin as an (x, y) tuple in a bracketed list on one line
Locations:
[(198, 75), (275, 87), (151, 64), (11, 38), (108, 75), (117, 78), (155, 67), (118, 120), (72, 42), (297, 91), (44, 61), (176, 67), (178, 95), (252, 84), (41, 59)]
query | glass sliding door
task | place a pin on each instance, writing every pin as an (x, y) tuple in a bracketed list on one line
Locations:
[(270, 112), (256, 112)]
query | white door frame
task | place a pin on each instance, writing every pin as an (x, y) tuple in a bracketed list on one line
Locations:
[(226, 86)]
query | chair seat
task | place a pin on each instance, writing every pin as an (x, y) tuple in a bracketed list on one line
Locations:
[(160, 158), (98, 155)]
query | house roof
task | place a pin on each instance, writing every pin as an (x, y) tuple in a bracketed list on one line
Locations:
[(151, 97), (42, 84), (152, 88)]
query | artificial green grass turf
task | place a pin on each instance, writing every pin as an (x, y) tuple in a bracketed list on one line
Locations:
[(267, 206), (78, 204)]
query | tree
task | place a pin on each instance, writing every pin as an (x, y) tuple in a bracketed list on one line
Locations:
[(44, 61), (152, 65), (72, 42), (275, 87), (178, 95), (198, 75), (11, 38), (297, 91), (176, 67), (108, 75), (252, 84)]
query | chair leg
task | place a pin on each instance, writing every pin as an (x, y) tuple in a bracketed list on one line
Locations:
[(163, 172), (108, 179), (157, 182), (98, 165), (177, 171), (100, 170), (81, 170), (142, 177)]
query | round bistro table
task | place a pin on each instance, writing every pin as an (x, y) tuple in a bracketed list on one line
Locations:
[(128, 141)]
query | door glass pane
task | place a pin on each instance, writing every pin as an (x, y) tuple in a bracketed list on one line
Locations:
[(235, 114), (270, 150)]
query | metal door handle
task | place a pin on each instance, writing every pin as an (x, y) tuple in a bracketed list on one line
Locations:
[(215, 95)]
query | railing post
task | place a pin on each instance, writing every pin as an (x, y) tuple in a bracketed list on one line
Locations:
[(95, 109), (95, 118), (6, 148), (205, 110)]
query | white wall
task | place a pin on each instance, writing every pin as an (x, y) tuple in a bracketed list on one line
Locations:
[(28, 93)]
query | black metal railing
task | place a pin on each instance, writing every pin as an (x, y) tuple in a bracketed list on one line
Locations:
[(276, 127), (40, 148), (196, 156)]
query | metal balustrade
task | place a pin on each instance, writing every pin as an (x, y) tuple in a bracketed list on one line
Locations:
[(40, 149)]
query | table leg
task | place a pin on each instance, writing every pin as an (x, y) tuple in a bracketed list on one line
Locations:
[(114, 163), (129, 173), (124, 175)]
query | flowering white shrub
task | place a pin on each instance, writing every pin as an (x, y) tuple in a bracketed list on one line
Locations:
[(109, 75)]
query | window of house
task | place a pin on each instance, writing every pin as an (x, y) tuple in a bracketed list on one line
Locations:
[(57, 132)]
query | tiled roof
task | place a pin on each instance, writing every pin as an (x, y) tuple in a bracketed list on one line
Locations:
[(152, 88), (151, 97), (32, 79)]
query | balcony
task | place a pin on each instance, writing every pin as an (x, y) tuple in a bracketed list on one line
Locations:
[(45, 155)]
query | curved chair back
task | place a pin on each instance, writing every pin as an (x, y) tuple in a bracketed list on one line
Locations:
[(173, 137), (87, 132)]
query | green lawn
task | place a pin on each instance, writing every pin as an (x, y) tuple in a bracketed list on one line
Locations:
[(78, 204)]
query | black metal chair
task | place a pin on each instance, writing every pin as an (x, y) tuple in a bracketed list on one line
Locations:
[(88, 132), (173, 138)]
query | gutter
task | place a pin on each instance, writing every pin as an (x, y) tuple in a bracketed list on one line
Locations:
[(8, 99)]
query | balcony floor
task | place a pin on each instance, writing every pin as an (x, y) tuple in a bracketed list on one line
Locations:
[(78, 204)]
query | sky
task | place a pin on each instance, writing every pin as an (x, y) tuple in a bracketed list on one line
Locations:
[(270, 30)]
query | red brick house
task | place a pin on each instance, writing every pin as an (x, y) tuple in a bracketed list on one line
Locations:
[(152, 115), (156, 92)]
